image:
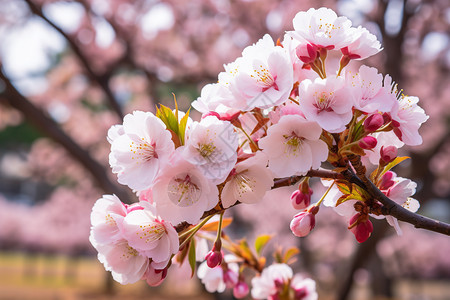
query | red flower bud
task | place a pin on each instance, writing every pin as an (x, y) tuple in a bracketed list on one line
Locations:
[(367, 142), (214, 258), (363, 228), (388, 153), (301, 200), (386, 180), (373, 122)]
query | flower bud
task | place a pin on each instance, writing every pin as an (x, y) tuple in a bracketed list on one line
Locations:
[(363, 228), (306, 53), (386, 180), (230, 278), (240, 290), (373, 122), (388, 153), (301, 198), (303, 223), (154, 277), (214, 258), (367, 142)]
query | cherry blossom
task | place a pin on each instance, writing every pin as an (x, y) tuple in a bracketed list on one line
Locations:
[(366, 88), (125, 263), (248, 181), (327, 102), (211, 145), (181, 191), (409, 117), (213, 278), (262, 77), (365, 45), (401, 193), (107, 212), (293, 146), (150, 235), (137, 152), (322, 28), (303, 223)]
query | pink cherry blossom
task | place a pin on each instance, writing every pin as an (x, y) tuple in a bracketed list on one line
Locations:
[(401, 193), (265, 285), (214, 97), (327, 102), (293, 146), (107, 212), (364, 46), (211, 145), (262, 77), (212, 278), (181, 192), (248, 182), (136, 154), (150, 235), (304, 288), (125, 263), (323, 28), (409, 116), (367, 89)]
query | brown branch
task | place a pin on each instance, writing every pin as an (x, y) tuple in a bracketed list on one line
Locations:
[(393, 209), (102, 82), (45, 124)]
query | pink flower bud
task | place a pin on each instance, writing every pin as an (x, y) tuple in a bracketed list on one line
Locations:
[(214, 258), (367, 142), (240, 290), (373, 122), (306, 54), (388, 153), (300, 200), (386, 180), (363, 228), (303, 223), (154, 277), (230, 278)]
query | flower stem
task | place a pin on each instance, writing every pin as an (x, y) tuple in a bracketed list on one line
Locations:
[(324, 195), (191, 232)]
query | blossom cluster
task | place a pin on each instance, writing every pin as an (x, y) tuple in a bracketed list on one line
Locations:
[(278, 111)]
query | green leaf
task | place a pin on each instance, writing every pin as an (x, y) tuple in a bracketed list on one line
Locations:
[(344, 188), (168, 117), (245, 250), (393, 163), (191, 257), (260, 242), (182, 126), (290, 253)]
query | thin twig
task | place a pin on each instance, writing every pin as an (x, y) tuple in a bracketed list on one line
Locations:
[(101, 81)]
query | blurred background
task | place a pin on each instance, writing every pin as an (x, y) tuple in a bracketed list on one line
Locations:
[(71, 69)]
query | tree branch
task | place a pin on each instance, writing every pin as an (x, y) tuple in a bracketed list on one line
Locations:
[(38, 118), (101, 82), (393, 209)]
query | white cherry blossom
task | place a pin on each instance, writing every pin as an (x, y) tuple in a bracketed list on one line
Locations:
[(365, 45)]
